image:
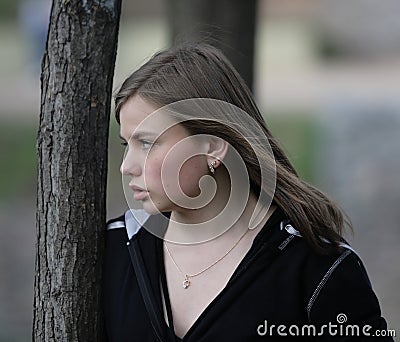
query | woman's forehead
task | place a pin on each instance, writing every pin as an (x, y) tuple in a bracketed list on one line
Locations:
[(135, 110), (139, 118)]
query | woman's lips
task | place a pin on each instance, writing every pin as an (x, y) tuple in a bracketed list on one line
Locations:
[(138, 192)]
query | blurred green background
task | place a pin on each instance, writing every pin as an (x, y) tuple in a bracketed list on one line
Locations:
[(320, 71)]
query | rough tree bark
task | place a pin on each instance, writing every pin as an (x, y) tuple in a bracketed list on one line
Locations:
[(228, 24), (77, 74)]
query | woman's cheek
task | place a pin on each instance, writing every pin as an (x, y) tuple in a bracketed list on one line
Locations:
[(153, 174), (190, 175), (162, 178)]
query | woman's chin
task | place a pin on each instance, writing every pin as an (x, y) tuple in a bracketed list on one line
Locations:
[(151, 208)]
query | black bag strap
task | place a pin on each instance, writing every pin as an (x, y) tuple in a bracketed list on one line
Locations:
[(171, 329), (145, 289)]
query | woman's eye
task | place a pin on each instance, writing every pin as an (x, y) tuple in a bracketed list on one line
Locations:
[(124, 143), (146, 144)]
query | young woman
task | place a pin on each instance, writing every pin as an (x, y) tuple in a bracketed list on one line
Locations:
[(231, 245)]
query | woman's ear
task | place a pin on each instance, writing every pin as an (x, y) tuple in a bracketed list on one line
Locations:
[(218, 148)]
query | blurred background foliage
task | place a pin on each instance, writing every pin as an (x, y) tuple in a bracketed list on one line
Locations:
[(9, 9), (326, 76), (18, 174)]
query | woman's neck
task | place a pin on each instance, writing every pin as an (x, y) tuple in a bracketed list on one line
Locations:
[(221, 217)]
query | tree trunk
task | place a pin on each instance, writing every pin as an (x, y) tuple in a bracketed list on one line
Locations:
[(77, 74), (228, 24)]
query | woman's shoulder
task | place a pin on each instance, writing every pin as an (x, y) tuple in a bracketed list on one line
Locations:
[(313, 264), (320, 267), (119, 230), (338, 289), (134, 223), (130, 222), (338, 279)]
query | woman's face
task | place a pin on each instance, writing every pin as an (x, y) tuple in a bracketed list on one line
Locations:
[(163, 165)]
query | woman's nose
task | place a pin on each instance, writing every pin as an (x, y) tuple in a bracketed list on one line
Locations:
[(130, 168)]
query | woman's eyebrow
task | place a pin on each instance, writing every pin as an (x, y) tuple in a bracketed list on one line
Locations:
[(139, 135)]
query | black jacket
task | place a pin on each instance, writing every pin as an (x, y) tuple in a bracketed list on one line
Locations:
[(280, 282)]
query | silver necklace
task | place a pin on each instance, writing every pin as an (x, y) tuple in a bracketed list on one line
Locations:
[(186, 282)]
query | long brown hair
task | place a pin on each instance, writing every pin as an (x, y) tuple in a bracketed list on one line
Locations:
[(201, 71)]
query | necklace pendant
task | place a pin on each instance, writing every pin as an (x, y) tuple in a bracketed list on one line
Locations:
[(186, 282)]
